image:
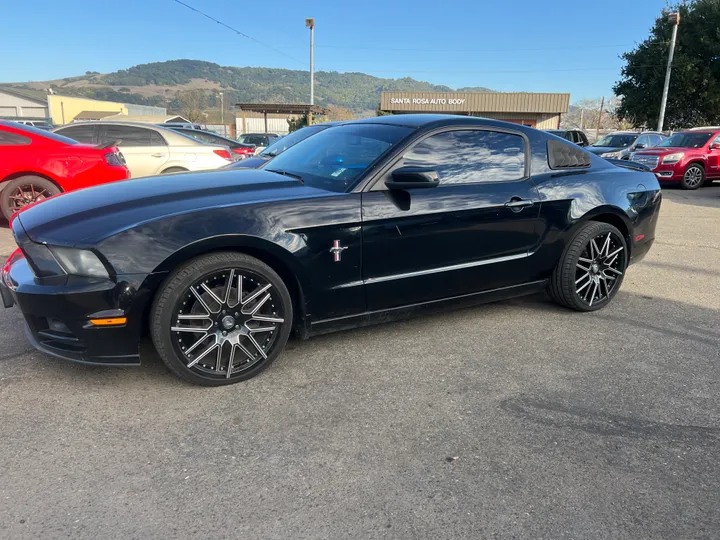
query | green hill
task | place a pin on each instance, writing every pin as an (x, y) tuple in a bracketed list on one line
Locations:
[(153, 84)]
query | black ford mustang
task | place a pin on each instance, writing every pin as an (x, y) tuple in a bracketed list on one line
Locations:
[(368, 220)]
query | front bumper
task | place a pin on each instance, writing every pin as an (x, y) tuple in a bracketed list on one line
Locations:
[(58, 310)]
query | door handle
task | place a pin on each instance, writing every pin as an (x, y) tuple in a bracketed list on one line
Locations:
[(516, 204), (157, 155)]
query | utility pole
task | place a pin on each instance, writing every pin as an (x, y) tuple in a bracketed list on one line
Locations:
[(674, 19), (582, 117), (597, 131), (310, 23), (222, 113)]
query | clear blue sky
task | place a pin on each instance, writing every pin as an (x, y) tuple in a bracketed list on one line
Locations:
[(458, 43)]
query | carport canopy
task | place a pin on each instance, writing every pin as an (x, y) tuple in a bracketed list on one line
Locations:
[(281, 108)]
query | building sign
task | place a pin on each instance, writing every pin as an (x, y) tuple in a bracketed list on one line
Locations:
[(427, 101)]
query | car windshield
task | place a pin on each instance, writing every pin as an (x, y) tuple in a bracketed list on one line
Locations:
[(687, 140), (278, 147), (616, 141), (335, 158)]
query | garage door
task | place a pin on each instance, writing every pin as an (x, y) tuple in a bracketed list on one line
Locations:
[(8, 112)]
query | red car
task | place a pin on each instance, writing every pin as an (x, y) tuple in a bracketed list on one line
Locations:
[(36, 164), (691, 158)]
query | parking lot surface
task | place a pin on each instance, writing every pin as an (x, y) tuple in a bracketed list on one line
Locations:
[(512, 420)]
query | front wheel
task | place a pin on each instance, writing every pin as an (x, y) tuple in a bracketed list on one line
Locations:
[(24, 191), (591, 269), (221, 318), (693, 178)]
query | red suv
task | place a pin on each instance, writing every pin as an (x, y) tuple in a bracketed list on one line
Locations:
[(36, 164), (689, 157)]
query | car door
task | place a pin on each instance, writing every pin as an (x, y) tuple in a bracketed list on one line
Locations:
[(144, 149), (473, 232), (713, 158)]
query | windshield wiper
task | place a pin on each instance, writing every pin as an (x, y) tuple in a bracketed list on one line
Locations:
[(288, 174)]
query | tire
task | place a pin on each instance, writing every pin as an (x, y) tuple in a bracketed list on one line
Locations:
[(583, 272), (213, 343), (693, 177), (173, 170), (30, 188)]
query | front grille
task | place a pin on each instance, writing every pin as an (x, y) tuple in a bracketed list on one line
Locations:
[(648, 161)]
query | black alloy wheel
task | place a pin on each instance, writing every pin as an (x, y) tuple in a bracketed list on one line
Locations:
[(592, 268), (221, 319), (24, 191), (693, 178)]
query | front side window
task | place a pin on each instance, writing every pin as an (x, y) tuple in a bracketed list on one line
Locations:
[(643, 140), (257, 140), (335, 158), (468, 157), (13, 139), (128, 136)]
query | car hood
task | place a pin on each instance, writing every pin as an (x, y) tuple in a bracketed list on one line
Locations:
[(85, 217), (603, 149), (250, 163)]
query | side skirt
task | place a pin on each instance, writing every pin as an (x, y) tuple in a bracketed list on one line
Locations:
[(368, 318)]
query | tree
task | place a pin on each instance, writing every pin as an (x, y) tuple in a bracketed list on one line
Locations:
[(694, 95), (339, 113), (192, 103)]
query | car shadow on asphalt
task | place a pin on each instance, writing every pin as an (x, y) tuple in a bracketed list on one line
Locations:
[(691, 325), (708, 196)]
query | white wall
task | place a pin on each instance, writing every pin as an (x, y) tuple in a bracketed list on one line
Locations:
[(257, 125), (16, 107)]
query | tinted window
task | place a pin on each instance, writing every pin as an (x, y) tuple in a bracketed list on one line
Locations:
[(335, 158), (156, 139), (295, 137), (463, 157), (12, 139), (128, 136), (716, 140), (84, 133), (257, 140), (643, 140)]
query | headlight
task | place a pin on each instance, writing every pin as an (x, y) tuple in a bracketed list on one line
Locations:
[(79, 262), (612, 155), (673, 158)]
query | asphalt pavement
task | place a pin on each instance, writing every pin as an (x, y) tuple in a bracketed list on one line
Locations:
[(517, 419)]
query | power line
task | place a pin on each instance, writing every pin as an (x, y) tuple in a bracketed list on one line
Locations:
[(238, 32), (524, 49)]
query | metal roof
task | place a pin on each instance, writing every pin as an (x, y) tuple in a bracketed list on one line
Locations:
[(26, 93), (94, 115), (282, 108)]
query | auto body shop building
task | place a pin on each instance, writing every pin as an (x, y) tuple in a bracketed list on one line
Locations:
[(541, 111)]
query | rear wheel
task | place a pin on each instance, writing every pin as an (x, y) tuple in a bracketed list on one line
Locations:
[(221, 319), (23, 191), (591, 269), (693, 178)]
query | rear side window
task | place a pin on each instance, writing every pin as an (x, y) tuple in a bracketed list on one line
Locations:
[(83, 133), (156, 139), (128, 136), (469, 157), (13, 139), (257, 140)]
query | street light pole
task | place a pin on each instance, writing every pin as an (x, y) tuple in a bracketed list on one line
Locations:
[(310, 23), (674, 19), (222, 113)]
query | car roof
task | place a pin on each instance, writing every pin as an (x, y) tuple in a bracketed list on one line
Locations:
[(430, 121), (170, 135)]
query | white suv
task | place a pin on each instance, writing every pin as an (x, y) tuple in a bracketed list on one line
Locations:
[(150, 149)]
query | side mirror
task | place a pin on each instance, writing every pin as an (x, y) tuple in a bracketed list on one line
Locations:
[(413, 177), (715, 146), (639, 146)]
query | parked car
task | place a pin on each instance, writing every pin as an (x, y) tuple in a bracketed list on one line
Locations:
[(259, 140), (40, 124), (621, 144), (186, 125), (279, 146), (36, 164), (369, 220), (690, 158), (150, 149), (573, 135), (241, 151)]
